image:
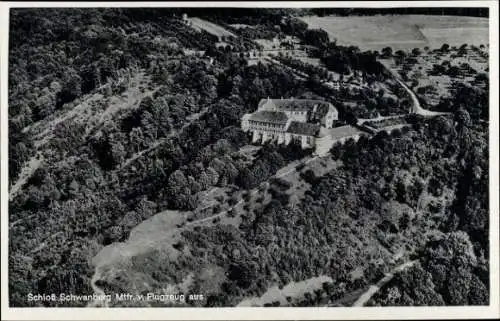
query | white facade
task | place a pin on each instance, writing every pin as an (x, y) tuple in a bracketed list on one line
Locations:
[(284, 138), (273, 119)]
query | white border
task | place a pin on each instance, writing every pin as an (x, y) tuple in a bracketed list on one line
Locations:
[(469, 312)]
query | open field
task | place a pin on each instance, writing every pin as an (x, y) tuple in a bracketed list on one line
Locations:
[(212, 28), (293, 290), (402, 32)]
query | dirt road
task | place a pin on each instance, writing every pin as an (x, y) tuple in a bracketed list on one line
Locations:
[(290, 168), (138, 155), (416, 108), (29, 168), (366, 296)]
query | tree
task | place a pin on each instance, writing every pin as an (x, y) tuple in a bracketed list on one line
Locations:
[(400, 54), (213, 176), (204, 180), (462, 118), (317, 37), (445, 47), (45, 105), (136, 138), (71, 87), (482, 77), (156, 118), (177, 182), (118, 152), (179, 192), (387, 52), (453, 252), (416, 52)]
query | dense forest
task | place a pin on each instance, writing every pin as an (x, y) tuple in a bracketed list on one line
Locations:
[(84, 195), (373, 200), (125, 124)]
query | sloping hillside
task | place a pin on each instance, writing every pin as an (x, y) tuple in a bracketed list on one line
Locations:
[(130, 172)]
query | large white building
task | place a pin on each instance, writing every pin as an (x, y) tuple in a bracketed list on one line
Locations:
[(283, 121)]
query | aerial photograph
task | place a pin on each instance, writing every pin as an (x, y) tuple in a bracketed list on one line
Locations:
[(248, 157)]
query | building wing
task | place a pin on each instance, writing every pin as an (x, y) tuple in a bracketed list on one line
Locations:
[(305, 129), (269, 117), (295, 104)]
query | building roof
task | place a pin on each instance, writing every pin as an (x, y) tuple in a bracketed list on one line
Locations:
[(306, 129), (269, 116), (294, 104)]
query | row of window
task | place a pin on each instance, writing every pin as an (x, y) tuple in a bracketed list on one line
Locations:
[(266, 125), (296, 138), (298, 112)]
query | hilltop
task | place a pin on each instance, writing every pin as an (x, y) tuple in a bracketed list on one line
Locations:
[(129, 171)]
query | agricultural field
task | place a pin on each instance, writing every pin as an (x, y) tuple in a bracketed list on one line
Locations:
[(402, 32)]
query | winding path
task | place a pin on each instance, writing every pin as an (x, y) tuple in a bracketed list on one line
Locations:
[(416, 107), (100, 294), (26, 172), (190, 119), (366, 296), (284, 171)]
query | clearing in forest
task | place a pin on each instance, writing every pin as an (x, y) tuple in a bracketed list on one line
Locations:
[(95, 108), (292, 290), (216, 30)]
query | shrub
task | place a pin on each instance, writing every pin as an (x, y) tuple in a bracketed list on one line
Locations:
[(233, 200), (281, 183), (179, 246), (300, 167), (309, 176)]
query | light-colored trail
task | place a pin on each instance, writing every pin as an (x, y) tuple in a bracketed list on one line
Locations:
[(416, 108), (159, 142), (368, 294), (29, 168), (287, 170), (169, 234)]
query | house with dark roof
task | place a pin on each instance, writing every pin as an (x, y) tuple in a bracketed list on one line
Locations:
[(289, 120)]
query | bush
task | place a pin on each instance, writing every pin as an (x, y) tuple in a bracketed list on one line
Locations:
[(246, 196), (309, 177), (281, 183), (179, 246), (300, 167), (233, 200), (231, 213)]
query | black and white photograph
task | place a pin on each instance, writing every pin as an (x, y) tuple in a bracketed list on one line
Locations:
[(181, 156)]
